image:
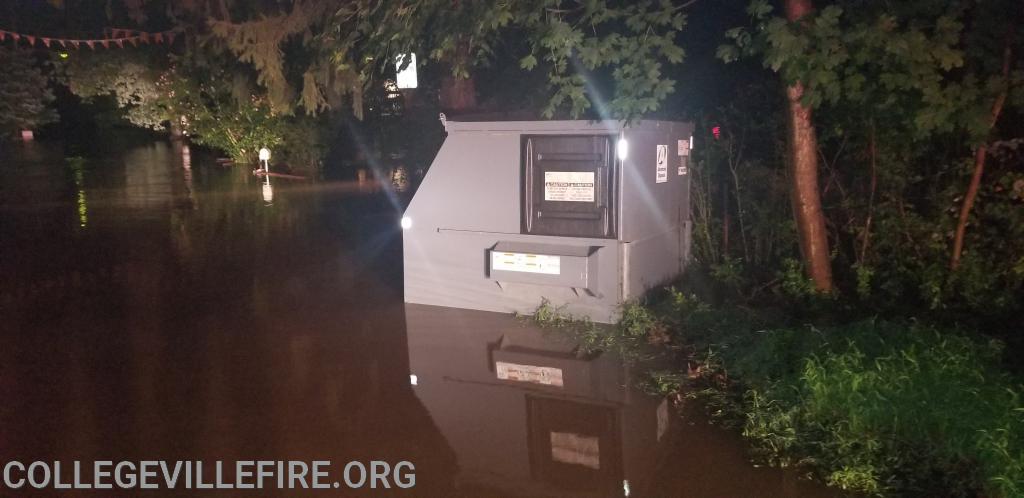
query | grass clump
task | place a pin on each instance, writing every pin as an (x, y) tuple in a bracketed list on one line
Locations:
[(882, 407)]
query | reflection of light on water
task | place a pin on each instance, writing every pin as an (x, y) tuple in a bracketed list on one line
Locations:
[(400, 179), (268, 191), (186, 164), (186, 157), (83, 206), (83, 209)]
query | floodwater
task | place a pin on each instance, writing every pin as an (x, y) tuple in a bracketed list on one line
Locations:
[(155, 305)]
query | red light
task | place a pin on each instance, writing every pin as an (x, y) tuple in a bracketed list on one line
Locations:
[(717, 132)]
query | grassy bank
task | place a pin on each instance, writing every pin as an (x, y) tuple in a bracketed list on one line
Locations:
[(884, 407)]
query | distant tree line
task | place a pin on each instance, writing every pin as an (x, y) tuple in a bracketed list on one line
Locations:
[(879, 151)]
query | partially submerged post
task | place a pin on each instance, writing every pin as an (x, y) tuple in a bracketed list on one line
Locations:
[(584, 214)]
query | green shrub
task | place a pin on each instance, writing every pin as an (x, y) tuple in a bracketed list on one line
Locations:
[(879, 407)]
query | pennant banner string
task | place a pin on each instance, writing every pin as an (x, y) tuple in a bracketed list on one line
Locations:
[(116, 35)]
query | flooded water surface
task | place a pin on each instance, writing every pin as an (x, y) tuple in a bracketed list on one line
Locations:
[(155, 305)]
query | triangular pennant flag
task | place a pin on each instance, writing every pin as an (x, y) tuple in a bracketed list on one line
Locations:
[(170, 37), (46, 41), (159, 37), (144, 37), (119, 42), (91, 44), (16, 36), (75, 43), (106, 43), (134, 41), (31, 40), (63, 43), (3, 34)]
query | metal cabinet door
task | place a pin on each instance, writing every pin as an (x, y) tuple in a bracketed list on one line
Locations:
[(568, 185)]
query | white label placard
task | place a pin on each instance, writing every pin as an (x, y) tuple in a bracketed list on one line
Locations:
[(682, 166), (530, 263), (684, 147), (661, 169), (548, 376), (576, 449), (569, 186)]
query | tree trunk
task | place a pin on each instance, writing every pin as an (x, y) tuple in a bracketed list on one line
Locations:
[(979, 162), (873, 157), (458, 94), (803, 165)]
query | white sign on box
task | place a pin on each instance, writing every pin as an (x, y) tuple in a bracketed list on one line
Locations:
[(569, 186), (661, 171), (529, 263), (547, 376)]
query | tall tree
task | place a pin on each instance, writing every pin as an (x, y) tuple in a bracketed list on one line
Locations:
[(981, 152), (803, 166)]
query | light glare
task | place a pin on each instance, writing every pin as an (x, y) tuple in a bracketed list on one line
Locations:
[(406, 223), (622, 149)]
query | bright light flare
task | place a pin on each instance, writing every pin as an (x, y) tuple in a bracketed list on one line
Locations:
[(406, 223), (622, 149)]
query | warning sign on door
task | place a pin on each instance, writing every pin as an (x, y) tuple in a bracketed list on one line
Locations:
[(661, 172), (569, 186)]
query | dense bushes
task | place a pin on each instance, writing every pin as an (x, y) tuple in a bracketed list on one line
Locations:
[(881, 407), (24, 93)]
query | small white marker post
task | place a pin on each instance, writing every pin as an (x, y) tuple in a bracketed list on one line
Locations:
[(265, 159), (268, 192)]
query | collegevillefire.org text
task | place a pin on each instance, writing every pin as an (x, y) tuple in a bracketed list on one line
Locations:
[(197, 474)]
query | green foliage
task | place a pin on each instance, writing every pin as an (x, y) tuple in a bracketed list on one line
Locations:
[(928, 396), (903, 95), (344, 48), (138, 81), (627, 339), (220, 111), (930, 65), (880, 407), (24, 92)]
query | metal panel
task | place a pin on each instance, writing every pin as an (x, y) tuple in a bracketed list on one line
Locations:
[(449, 268), (569, 185), (546, 264), (471, 200)]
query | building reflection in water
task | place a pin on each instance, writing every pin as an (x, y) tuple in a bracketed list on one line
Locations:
[(525, 413)]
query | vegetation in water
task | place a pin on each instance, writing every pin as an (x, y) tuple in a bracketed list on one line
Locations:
[(877, 406)]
